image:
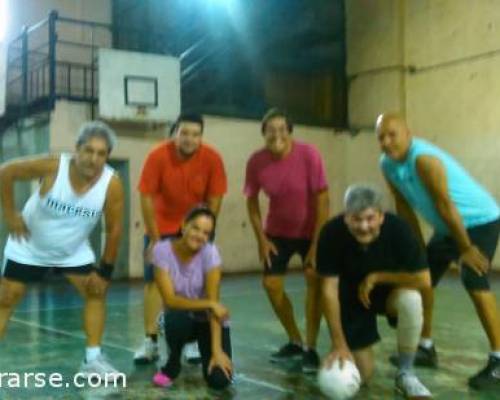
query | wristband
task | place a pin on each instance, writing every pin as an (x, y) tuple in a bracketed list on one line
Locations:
[(105, 270)]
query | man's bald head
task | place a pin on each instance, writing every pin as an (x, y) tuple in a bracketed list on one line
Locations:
[(388, 117), (393, 135)]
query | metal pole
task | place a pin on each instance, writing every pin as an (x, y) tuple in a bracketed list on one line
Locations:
[(52, 58), (24, 67), (92, 74)]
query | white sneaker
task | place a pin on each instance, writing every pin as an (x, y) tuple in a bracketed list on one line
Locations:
[(192, 353), (409, 386), (100, 367), (147, 353)]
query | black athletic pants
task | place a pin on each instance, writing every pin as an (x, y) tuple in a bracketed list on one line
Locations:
[(182, 328)]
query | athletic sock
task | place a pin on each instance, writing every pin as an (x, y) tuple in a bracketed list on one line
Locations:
[(426, 343), (91, 353), (405, 362)]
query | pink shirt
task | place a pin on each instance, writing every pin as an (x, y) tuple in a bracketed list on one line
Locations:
[(291, 184)]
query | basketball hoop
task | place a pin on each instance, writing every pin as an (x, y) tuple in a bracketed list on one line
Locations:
[(138, 87), (141, 111)]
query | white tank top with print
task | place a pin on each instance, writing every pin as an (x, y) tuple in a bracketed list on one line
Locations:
[(60, 222)]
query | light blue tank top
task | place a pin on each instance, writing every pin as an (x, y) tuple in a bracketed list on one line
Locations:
[(475, 205)]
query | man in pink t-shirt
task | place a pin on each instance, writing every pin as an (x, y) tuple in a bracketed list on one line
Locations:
[(292, 175)]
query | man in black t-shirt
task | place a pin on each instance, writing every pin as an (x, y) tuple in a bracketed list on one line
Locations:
[(370, 264)]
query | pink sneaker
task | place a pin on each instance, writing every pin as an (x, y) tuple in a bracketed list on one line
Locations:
[(162, 380)]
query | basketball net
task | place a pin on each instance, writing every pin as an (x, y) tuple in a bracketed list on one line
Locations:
[(141, 111)]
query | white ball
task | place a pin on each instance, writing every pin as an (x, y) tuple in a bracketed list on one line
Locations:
[(339, 384)]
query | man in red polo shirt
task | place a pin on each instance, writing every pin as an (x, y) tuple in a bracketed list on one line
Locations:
[(177, 175)]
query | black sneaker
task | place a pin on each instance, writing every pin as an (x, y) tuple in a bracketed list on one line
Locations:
[(289, 351), (488, 377), (310, 361), (425, 357)]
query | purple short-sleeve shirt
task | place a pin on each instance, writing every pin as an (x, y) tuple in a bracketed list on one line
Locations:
[(189, 278)]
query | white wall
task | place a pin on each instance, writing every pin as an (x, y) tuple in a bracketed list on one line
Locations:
[(374, 52)]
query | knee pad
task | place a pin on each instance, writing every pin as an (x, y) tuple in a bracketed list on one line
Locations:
[(217, 379), (408, 304), (408, 301)]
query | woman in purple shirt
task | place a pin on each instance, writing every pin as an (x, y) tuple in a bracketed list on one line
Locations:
[(188, 272)]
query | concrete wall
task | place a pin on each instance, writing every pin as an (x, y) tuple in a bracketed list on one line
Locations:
[(29, 12), (375, 53), (451, 93)]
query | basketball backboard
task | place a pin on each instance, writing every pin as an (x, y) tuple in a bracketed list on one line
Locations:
[(138, 86)]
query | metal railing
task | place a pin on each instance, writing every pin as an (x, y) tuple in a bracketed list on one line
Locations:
[(29, 59), (55, 58)]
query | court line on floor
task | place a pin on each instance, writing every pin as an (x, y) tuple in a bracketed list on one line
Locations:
[(250, 292), (243, 377), (81, 336), (63, 332), (259, 382), (77, 307)]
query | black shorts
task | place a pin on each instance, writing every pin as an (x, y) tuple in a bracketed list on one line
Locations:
[(442, 250), (25, 273), (286, 249), (359, 323)]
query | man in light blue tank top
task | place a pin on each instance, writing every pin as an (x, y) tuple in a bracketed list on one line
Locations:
[(426, 180)]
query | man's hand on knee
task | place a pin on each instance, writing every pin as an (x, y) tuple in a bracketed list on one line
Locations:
[(474, 259)]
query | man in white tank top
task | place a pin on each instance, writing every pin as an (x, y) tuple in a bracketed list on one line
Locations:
[(54, 226)]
